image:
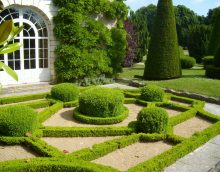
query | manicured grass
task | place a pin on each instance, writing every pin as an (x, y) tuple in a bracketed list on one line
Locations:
[(193, 80)]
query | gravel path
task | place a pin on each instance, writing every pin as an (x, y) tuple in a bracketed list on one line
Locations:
[(172, 112), (15, 152), (132, 155), (72, 144), (189, 127)]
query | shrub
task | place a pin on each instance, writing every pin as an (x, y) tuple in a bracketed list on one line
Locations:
[(101, 102), (163, 59), (208, 60), (187, 62), (152, 93), (152, 120), (217, 58), (213, 72), (17, 120), (65, 92)]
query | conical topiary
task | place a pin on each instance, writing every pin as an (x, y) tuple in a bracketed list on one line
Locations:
[(163, 61), (214, 41)]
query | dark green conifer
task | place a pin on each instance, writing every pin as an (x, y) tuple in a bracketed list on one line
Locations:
[(163, 61), (214, 42)]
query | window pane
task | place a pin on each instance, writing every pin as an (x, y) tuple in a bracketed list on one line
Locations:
[(26, 54), (26, 43), (45, 32), (31, 32), (11, 64), (15, 15), (32, 54), (41, 53), (41, 45), (33, 64), (4, 13), (10, 56), (8, 17), (46, 53), (32, 43), (17, 54), (41, 63), (45, 43), (45, 63), (2, 57), (26, 64), (25, 33), (40, 33), (17, 65)]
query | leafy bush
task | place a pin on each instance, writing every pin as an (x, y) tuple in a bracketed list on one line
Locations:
[(152, 120), (95, 81), (208, 60), (152, 93), (65, 92), (101, 102), (17, 120), (187, 62)]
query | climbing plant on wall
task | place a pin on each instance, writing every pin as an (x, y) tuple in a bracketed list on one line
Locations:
[(87, 47)]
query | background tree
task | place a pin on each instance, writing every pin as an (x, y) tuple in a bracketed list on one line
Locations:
[(214, 42), (185, 18), (163, 61), (131, 51), (198, 40), (140, 25)]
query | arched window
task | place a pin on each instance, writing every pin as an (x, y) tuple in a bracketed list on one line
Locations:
[(34, 52)]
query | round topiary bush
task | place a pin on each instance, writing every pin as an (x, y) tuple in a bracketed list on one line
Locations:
[(212, 72), (152, 93), (152, 120), (65, 92), (17, 120), (101, 102), (187, 62)]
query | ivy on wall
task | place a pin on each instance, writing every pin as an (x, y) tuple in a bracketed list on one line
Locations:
[(87, 47)]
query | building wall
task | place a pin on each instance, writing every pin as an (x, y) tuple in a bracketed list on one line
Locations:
[(47, 10)]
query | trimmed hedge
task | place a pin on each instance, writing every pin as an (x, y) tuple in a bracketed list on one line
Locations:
[(217, 58), (17, 99), (65, 92), (17, 120), (48, 112), (213, 72), (86, 132), (187, 62), (152, 120), (208, 60), (101, 102), (152, 93), (98, 120)]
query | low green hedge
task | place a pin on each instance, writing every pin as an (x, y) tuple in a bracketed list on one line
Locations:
[(187, 62), (53, 165), (17, 120), (170, 156), (48, 112), (65, 92), (182, 117), (11, 140), (129, 100), (182, 99), (152, 120), (86, 132), (100, 121), (213, 72), (173, 106), (71, 104), (101, 102), (17, 99), (152, 93)]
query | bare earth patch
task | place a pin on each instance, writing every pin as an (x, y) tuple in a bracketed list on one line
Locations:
[(125, 158), (180, 103), (189, 127), (172, 112), (15, 152), (72, 144), (64, 118)]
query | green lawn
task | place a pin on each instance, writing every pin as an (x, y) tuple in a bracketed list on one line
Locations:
[(193, 80)]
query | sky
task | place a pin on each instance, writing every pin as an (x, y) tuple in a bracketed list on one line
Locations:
[(200, 7)]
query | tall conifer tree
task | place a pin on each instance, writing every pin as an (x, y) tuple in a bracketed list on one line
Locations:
[(163, 61)]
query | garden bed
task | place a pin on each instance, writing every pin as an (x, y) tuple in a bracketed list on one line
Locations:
[(70, 144)]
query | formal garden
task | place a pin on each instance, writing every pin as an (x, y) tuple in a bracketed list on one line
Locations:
[(76, 127)]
